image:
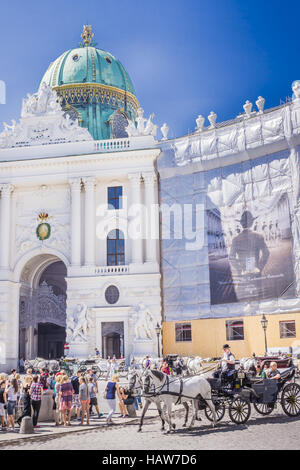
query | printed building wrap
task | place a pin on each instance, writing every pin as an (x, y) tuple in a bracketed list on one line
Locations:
[(238, 183)]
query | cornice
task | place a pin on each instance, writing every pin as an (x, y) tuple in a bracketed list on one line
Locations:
[(77, 161)]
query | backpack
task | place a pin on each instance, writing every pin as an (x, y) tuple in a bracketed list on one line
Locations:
[(50, 382), (43, 381)]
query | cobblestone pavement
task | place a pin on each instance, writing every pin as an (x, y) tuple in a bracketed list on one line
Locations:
[(276, 431)]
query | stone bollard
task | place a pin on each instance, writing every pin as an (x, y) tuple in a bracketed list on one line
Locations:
[(131, 411), (26, 425)]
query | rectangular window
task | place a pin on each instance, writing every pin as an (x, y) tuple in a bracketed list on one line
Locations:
[(287, 329), (114, 197), (234, 330), (183, 332)]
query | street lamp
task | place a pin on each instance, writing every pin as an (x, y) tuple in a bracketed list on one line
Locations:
[(264, 324), (158, 331)]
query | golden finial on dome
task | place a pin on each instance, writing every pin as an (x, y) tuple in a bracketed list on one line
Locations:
[(87, 35)]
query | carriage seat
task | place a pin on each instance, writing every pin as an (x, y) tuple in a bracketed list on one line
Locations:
[(255, 380), (288, 373)]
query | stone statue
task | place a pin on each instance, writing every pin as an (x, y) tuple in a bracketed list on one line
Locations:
[(131, 129), (37, 125), (164, 130), (82, 324), (45, 101), (29, 105), (143, 329), (140, 120), (141, 128)]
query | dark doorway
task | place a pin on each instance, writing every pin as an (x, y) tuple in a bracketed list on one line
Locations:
[(51, 340), (112, 339), (113, 345)]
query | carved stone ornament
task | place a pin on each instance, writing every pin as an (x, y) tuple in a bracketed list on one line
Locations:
[(248, 108), (212, 119), (164, 130), (260, 103), (44, 307), (78, 324), (296, 89), (144, 126), (42, 122), (144, 324), (200, 123)]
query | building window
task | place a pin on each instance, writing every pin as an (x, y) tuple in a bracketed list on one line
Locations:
[(112, 295), (115, 248), (115, 197), (118, 124), (183, 332), (287, 329), (234, 330)]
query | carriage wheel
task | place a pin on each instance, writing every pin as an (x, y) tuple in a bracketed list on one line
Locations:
[(239, 410), (290, 399), (264, 408), (220, 411)]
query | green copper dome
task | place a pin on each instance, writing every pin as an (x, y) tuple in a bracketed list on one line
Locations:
[(95, 87)]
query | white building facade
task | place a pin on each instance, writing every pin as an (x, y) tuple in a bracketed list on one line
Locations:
[(75, 262)]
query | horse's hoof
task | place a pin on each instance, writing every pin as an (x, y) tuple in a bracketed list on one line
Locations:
[(174, 426), (184, 425), (139, 430)]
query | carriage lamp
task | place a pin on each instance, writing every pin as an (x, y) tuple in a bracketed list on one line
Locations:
[(158, 331), (264, 324)]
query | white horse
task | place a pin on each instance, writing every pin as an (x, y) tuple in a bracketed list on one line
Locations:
[(38, 363), (178, 390), (194, 365), (248, 364), (136, 376)]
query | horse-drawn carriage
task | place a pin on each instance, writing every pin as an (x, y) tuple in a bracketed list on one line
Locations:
[(238, 391), (100, 367)]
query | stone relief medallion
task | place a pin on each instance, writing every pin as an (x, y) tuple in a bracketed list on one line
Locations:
[(43, 230)]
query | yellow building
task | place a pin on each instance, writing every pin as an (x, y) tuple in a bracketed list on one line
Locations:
[(245, 335)]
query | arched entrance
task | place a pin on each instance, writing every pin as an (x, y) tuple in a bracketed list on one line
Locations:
[(42, 312)]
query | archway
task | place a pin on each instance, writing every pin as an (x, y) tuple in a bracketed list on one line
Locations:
[(42, 312)]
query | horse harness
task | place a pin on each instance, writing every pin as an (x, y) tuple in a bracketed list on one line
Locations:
[(159, 391)]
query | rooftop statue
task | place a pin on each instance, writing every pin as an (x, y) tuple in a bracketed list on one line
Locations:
[(296, 89), (43, 121), (144, 126), (45, 101)]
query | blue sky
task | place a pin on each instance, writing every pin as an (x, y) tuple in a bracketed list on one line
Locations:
[(185, 57)]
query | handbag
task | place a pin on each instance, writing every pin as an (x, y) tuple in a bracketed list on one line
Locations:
[(128, 401), (105, 393)]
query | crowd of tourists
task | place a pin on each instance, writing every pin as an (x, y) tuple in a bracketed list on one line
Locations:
[(73, 397)]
